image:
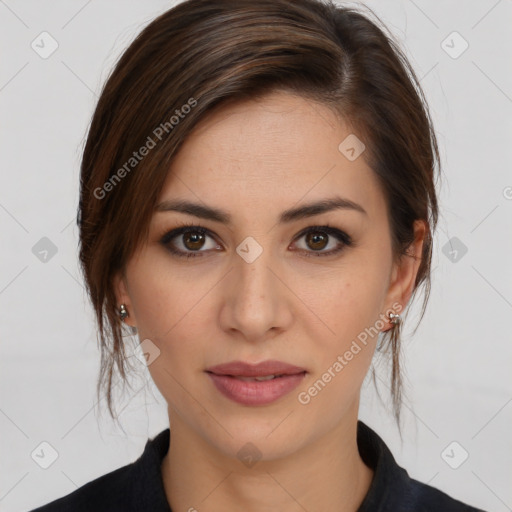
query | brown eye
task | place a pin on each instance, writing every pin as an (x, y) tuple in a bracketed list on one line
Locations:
[(317, 238), (188, 241), (193, 240), (317, 241)]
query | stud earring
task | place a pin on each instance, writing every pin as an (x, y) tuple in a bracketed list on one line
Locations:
[(123, 312), (394, 319)]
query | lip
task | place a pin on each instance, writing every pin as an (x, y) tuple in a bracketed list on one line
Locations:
[(243, 369), (226, 379)]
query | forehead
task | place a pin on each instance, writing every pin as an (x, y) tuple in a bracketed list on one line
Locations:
[(271, 153)]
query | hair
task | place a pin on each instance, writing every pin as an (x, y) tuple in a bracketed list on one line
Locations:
[(202, 54)]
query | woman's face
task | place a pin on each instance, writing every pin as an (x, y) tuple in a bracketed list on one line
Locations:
[(259, 288)]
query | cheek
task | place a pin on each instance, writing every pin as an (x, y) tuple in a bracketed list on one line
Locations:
[(165, 296), (351, 303), (172, 310), (170, 313), (343, 353), (351, 309)]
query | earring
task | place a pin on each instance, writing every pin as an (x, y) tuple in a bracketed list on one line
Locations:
[(123, 312), (394, 319)]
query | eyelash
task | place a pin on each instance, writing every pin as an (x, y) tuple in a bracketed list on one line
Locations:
[(341, 236)]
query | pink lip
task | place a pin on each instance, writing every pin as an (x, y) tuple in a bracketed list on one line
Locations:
[(224, 376), (242, 369)]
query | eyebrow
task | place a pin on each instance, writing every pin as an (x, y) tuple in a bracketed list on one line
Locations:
[(291, 215)]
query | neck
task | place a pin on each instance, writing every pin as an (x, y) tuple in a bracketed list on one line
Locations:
[(328, 474)]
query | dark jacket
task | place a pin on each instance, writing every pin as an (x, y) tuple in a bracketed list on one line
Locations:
[(139, 487)]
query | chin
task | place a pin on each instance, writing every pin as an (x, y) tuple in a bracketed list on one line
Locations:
[(267, 438)]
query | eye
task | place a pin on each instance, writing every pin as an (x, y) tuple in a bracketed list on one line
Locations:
[(191, 239), (318, 237)]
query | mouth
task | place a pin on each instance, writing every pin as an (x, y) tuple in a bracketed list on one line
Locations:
[(258, 384), (267, 369), (256, 379)]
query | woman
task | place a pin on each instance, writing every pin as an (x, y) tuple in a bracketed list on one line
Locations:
[(257, 203)]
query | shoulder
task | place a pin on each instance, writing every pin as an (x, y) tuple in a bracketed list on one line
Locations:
[(422, 497), (134, 487), (392, 489), (99, 494)]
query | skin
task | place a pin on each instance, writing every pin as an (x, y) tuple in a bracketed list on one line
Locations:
[(255, 159)]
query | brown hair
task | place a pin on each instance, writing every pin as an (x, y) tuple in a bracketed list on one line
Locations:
[(201, 54)]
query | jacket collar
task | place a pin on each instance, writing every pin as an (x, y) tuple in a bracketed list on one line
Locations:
[(389, 482)]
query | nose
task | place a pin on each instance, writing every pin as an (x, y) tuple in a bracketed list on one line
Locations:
[(256, 300)]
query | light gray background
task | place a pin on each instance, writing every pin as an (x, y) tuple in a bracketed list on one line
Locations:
[(457, 364)]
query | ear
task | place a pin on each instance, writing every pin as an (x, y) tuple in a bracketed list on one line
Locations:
[(405, 269), (123, 297)]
